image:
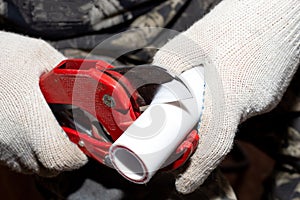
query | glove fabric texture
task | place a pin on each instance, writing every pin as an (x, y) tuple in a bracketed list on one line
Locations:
[(250, 52), (31, 139)]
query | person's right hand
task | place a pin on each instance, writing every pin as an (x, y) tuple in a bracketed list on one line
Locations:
[(31, 139), (250, 52)]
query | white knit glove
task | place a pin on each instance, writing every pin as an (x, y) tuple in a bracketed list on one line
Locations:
[(250, 52), (31, 139)]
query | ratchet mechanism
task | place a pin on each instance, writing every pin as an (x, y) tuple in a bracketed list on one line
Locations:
[(95, 102)]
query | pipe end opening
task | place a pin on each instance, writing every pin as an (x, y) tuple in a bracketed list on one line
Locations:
[(129, 165)]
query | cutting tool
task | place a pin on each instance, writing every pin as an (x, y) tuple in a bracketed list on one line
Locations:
[(95, 102)]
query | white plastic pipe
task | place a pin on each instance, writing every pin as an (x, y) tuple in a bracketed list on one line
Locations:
[(148, 143)]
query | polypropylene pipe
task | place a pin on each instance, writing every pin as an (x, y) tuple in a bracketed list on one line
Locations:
[(148, 143)]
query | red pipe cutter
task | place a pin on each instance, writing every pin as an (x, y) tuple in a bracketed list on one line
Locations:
[(95, 102)]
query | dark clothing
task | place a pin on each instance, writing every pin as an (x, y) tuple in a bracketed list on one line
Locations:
[(84, 24), (94, 181)]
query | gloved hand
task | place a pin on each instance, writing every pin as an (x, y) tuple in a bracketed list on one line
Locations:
[(31, 139), (250, 52)]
